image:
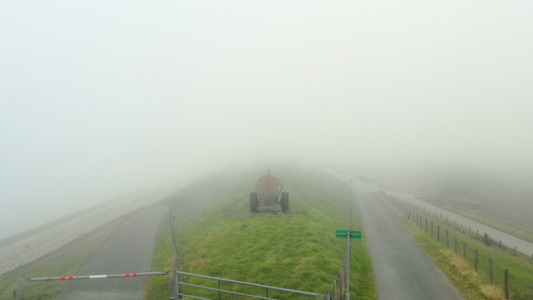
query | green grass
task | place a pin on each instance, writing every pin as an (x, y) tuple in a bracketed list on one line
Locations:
[(218, 236), (68, 260), (460, 208), (158, 286), (474, 284)]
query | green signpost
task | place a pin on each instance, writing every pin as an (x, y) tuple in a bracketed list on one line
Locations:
[(348, 234), (353, 234)]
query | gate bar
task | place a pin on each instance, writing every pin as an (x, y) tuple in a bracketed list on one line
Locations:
[(22, 281), (97, 276), (251, 284)]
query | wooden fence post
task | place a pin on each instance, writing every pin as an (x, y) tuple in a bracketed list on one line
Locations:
[(447, 239), (431, 228), (455, 241), (514, 253), (491, 271), (438, 233), (506, 284), (476, 258), (427, 227)]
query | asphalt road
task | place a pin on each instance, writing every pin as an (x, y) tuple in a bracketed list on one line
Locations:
[(401, 267), (510, 241), (129, 250)]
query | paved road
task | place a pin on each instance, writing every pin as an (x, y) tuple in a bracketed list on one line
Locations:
[(510, 241), (401, 267), (129, 250)]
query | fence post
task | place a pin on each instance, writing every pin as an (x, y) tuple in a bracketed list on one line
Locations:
[(506, 283), (464, 250), (347, 292), (455, 241), (438, 233), (514, 253), (447, 239), (431, 228), (176, 285), (491, 271), (20, 293), (427, 226), (476, 258)]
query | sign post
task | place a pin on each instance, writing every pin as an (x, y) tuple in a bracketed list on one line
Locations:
[(349, 235)]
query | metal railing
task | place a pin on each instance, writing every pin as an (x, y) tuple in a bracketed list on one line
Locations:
[(180, 283)]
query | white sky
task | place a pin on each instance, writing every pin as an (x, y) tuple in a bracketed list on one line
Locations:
[(100, 98)]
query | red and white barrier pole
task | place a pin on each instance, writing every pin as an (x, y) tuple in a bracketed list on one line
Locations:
[(22, 281), (97, 276)]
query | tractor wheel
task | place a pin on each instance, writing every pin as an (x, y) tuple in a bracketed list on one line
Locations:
[(254, 202), (284, 201)]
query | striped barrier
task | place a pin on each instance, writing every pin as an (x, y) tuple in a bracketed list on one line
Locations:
[(22, 281)]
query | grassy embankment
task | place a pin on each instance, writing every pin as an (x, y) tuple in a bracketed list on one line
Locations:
[(218, 236), (68, 260), (473, 284), (470, 209)]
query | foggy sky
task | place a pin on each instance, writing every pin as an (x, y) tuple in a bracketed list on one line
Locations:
[(98, 99)]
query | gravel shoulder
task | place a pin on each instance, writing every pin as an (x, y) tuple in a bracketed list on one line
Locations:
[(28, 249)]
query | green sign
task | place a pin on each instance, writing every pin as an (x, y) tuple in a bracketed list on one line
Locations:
[(353, 234)]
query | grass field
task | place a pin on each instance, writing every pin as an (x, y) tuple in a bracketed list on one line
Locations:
[(68, 260), (494, 199), (218, 236), (469, 209), (474, 284)]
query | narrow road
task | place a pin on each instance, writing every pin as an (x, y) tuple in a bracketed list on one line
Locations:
[(401, 267), (510, 241), (129, 250)]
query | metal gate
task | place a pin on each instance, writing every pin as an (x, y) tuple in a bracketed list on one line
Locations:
[(216, 287)]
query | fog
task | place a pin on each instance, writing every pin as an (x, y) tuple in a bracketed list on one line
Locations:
[(100, 99)]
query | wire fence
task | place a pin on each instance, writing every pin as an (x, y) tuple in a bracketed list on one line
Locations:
[(341, 286), (472, 247)]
